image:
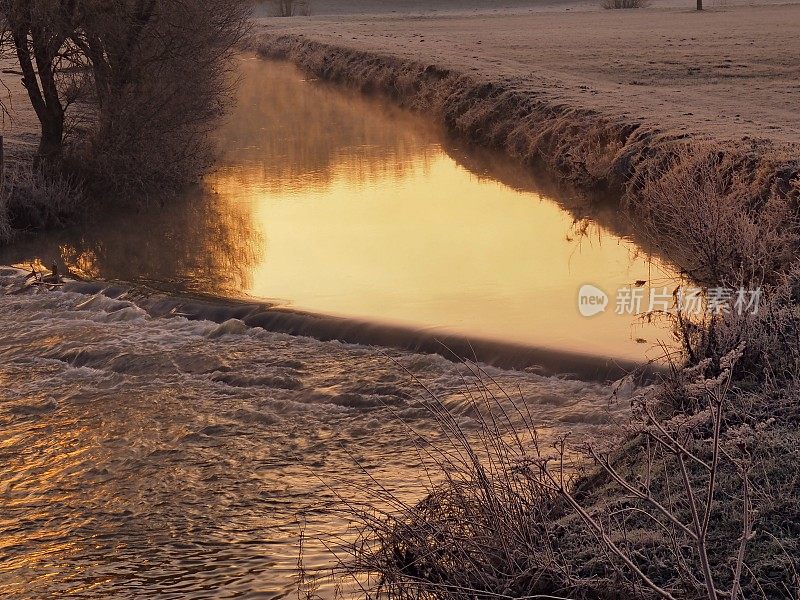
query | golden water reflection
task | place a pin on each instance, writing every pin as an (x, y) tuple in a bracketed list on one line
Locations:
[(367, 211), (329, 201), (197, 245)]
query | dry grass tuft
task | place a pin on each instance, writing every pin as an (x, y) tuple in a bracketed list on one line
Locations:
[(718, 213), (697, 503), (31, 198)]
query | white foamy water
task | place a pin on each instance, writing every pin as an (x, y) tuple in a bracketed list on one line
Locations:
[(160, 457)]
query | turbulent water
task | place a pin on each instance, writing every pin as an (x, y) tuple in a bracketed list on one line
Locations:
[(148, 456)]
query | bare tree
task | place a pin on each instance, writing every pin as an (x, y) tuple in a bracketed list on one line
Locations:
[(161, 69), (36, 32), (158, 69)]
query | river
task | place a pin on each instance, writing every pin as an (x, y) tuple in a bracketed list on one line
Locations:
[(146, 452)]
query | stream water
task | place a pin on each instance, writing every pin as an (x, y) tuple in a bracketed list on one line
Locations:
[(331, 202), (162, 456)]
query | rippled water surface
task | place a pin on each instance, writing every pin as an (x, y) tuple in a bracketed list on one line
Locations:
[(152, 457)]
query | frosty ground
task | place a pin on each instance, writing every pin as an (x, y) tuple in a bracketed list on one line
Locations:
[(728, 72)]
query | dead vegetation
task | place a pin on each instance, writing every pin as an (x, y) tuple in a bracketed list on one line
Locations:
[(726, 216), (34, 198), (699, 500)]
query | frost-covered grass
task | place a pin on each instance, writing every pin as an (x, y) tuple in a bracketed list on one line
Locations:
[(31, 198), (699, 499)]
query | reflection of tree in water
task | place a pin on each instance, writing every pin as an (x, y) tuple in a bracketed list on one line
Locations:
[(199, 243), (289, 133), (285, 134), (591, 213)]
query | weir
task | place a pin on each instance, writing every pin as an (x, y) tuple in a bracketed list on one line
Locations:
[(497, 353), (354, 220)]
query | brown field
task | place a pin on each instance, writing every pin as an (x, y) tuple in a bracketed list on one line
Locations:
[(728, 72)]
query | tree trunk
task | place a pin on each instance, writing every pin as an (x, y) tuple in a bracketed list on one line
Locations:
[(39, 81), (51, 144)]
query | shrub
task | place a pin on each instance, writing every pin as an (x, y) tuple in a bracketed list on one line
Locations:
[(157, 109), (623, 3), (32, 198)]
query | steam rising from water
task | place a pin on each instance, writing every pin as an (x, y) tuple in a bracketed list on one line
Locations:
[(335, 203)]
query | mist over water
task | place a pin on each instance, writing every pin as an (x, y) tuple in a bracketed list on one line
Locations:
[(157, 456), (328, 201)]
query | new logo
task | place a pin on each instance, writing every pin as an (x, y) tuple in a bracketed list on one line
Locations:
[(591, 300)]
